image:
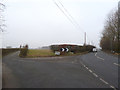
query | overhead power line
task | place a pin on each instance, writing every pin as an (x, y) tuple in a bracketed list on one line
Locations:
[(73, 19), (67, 14), (63, 12), (70, 15)]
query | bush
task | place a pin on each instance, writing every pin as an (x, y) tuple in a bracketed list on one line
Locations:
[(8, 51), (23, 51)]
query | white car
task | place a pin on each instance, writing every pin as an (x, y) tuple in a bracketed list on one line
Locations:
[(94, 50)]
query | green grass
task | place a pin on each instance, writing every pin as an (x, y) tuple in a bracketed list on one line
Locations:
[(39, 53), (47, 53)]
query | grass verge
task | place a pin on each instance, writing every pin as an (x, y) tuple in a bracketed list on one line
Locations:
[(39, 53), (32, 53), (109, 52)]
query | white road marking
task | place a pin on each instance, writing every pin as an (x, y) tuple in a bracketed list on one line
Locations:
[(72, 61), (95, 54), (116, 64), (113, 87), (99, 77), (86, 67), (103, 81), (95, 75), (98, 57), (90, 70)]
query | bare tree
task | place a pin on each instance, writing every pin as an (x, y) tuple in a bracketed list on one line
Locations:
[(109, 39)]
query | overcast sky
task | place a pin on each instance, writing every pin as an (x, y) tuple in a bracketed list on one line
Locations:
[(41, 23)]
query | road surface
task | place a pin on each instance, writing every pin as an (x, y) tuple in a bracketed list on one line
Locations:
[(92, 70)]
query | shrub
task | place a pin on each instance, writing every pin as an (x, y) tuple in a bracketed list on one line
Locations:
[(23, 51)]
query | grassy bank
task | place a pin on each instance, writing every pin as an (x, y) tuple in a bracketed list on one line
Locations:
[(47, 53)]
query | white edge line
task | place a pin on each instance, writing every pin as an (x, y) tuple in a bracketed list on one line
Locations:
[(116, 64)]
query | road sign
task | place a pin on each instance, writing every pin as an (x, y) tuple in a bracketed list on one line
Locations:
[(67, 49), (62, 49)]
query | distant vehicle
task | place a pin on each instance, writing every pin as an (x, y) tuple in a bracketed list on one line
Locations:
[(94, 50), (57, 53)]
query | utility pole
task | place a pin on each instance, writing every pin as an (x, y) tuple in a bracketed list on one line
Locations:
[(85, 39), (111, 45)]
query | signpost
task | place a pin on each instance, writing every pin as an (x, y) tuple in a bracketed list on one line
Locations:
[(64, 49)]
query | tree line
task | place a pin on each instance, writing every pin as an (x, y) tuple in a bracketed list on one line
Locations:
[(110, 39)]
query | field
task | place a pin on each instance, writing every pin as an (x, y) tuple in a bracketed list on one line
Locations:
[(39, 53)]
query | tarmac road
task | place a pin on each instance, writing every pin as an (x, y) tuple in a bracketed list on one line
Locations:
[(86, 71)]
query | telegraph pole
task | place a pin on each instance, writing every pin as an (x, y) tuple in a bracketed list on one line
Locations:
[(85, 39)]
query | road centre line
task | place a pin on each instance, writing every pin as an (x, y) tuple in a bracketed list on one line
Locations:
[(99, 78), (116, 64), (103, 81), (98, 57), (112, 87), (95, 75), (95, 54), (86, 67), (90, 70)]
